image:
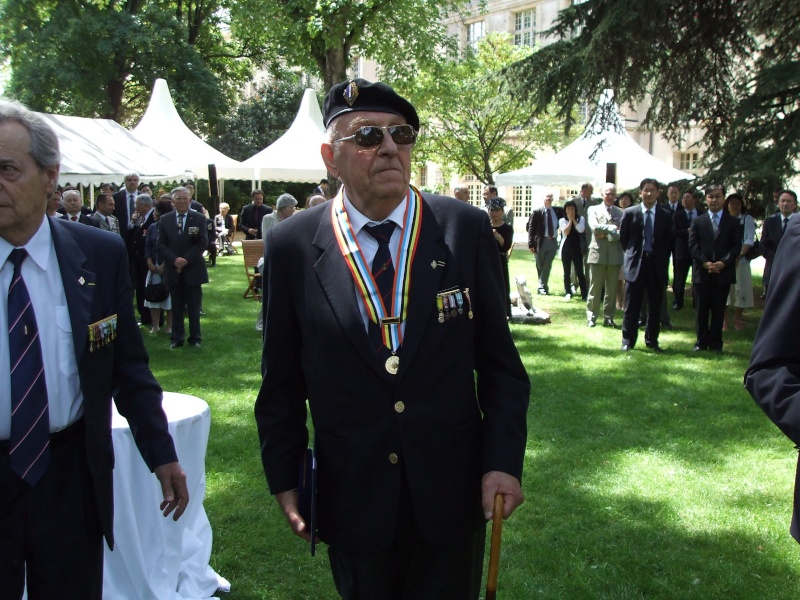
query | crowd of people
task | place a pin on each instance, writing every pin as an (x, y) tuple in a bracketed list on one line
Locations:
[(616, 254)]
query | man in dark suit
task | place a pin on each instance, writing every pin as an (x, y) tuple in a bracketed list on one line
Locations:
[(56, 454), (645, 234), (583, 202), (143, 219), (774, 228), (391, 388), (321, 189), (681, 258), (74, 209), (182, 239), (773, 378), (252, 215), (125, 203), (542, 240), (715, 240), (103, 218)]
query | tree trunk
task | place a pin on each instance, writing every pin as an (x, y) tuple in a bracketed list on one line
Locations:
[(335, 66)]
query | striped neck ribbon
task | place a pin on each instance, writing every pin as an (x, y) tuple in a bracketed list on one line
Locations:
[(388, 318)]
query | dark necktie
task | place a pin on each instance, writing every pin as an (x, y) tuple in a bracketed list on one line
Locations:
[(131, 207), (74, 218), (29, 444), (180, 223), (608, 208), (383, 274), (785, 223), (549, 232), (648, 232), (691, 217)]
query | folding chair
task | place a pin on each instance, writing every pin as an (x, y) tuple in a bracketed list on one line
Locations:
[(252, 250)]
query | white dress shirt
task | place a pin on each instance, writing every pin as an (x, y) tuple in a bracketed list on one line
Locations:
[(369, 245), (42, 277)]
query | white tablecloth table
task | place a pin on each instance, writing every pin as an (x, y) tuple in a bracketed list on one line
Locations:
[(156, 558)]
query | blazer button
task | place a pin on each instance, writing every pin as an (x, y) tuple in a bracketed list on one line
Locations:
[(393, 458), (399, 406)]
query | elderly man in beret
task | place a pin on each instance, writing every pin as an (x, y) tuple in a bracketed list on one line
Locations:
[(385, 310)]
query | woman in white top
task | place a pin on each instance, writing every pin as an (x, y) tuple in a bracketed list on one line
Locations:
[(741, 294), (572, 227)]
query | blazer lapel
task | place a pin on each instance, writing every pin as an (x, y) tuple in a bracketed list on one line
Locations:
[(337, 284), (79, 284), (425, 280)]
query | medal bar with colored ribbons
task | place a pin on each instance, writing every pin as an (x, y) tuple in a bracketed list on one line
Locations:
[(362, 275)]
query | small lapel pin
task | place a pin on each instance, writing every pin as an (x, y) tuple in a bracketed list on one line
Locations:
[(433, 264), (81, 280)]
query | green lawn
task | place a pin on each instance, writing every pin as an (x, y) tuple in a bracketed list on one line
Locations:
[(646, 476)]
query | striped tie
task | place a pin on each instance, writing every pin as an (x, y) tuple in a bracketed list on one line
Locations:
[(29, 444), (383, 274)]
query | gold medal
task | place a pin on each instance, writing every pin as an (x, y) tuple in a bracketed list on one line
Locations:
[(392, 364)]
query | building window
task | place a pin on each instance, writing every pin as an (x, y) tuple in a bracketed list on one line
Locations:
[(475, 31), (525, 28), (423, 176), (476, 194), (356, 67), (523, 201), (688, 161)]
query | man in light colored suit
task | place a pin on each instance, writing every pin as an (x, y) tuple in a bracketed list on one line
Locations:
[(604, 258), (104, 217)]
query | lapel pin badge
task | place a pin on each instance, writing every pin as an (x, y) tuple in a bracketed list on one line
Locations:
[(81, 280)]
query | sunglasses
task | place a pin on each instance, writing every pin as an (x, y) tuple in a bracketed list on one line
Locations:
[(372, 135)]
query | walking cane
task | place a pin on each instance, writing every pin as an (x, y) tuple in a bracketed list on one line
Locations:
[(494, 549)]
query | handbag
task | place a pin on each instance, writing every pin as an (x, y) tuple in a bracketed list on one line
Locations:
[(754, 252), (156, 292)]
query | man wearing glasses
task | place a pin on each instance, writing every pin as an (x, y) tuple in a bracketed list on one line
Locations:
[(381, 323)]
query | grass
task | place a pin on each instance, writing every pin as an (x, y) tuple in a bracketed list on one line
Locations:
[(646, 476)]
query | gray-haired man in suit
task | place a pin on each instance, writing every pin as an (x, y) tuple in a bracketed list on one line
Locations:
[(605, 257)]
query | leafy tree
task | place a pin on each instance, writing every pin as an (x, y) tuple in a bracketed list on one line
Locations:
[(100, 58), (320, 35), (470, 126), (730, 67)]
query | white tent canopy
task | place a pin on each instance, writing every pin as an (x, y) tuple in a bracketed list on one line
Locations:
[(95, 151), (162, 127), (295, 155), (585, 159)]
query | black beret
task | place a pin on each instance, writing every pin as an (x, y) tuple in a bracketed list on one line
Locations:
[(362, 95)]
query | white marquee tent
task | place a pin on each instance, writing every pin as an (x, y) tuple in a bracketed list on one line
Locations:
[(585, 159), (162, 127), (95, 151), (295, 155)]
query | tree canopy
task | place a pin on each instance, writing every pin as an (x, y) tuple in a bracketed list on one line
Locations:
[(730, 67), (100, 58), (321, 35), (471, 127)]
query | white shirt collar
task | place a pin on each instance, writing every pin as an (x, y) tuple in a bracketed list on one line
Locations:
[(358, 220), (38, 246)]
